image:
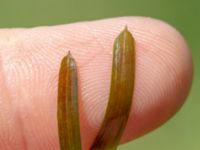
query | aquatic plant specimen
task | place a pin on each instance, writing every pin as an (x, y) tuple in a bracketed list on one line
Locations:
[(67, 112), (119, 103), (121, 93)]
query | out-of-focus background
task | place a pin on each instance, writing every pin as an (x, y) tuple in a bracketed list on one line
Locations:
[(182, 132)]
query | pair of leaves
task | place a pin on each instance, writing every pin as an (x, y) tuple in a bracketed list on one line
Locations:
[(119, 104)]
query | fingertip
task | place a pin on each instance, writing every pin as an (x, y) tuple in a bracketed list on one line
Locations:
[(163, 74)]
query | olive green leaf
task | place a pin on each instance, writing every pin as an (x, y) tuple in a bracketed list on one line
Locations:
[(121, 93), (67, 109)]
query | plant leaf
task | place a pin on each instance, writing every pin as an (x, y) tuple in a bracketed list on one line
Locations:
[(67, 111), (121, 93)]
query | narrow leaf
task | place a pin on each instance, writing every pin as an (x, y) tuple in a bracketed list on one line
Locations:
[(67, 111), (121, 93)]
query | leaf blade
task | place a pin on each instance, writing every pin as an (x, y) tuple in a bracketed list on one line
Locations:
[(67, 109), (121, 92)]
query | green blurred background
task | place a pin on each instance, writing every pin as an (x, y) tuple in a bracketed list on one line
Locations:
[(182, 132)]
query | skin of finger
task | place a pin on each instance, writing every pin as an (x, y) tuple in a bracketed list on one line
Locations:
[(30, 60)]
